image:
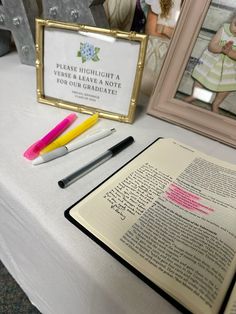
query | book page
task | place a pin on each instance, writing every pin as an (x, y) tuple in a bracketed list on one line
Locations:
[(171, 213)]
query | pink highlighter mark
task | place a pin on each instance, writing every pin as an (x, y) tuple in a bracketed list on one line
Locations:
[(186, 199)]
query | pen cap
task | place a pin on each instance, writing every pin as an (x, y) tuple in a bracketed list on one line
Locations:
[(122, 145), (32, 151)]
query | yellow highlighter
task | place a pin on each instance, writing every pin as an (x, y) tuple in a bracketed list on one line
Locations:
[(70, 135)]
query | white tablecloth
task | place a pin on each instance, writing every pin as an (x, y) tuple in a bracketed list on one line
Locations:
[(61, 270)]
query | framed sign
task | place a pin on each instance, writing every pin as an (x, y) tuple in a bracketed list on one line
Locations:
[(197, 84), (89, 69)]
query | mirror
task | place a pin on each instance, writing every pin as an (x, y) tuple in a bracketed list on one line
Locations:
[(190, 79)]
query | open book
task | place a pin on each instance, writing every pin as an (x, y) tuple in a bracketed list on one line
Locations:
[(170, 215)]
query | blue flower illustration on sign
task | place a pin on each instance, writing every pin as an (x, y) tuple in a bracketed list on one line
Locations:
[(88, 52)]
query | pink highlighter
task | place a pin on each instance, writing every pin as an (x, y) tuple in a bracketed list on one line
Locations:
[(34, 150)]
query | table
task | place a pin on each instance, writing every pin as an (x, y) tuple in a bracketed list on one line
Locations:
[(60, 269)]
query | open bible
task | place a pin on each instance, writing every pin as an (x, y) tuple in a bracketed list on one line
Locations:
[(170, 215)]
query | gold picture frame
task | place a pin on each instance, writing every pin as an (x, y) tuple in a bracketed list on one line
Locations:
[(199, 22), (89, 69)]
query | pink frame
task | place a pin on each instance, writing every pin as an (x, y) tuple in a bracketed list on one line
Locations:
[(162, 102)]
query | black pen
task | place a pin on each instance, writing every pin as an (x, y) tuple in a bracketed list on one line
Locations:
[(95, 162)]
